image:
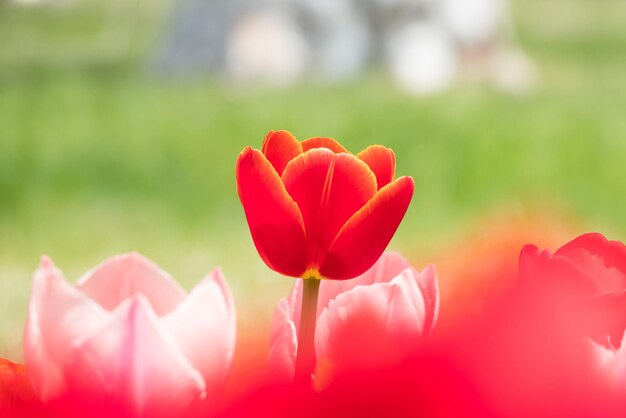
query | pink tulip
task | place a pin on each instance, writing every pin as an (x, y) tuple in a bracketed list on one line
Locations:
[(372, 320), (129, 334)]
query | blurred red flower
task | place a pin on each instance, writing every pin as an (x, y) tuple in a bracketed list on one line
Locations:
[(429, 384), (316, 210), (589, 265), (585, 280)]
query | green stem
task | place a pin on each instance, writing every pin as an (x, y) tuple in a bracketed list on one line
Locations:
[(305, 359)]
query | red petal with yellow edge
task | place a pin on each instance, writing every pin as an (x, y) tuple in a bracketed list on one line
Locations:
[(280, 147), (273, 217), (329, 188), (382, 161), (320, 142), (365, 236)]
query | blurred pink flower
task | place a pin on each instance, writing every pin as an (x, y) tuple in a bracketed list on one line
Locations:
[(373, 320), (129, 335)]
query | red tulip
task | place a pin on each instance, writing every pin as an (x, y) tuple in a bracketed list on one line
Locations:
[(316, 210), (367, 322)]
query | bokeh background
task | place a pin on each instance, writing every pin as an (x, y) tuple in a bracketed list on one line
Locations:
[(100, 156)]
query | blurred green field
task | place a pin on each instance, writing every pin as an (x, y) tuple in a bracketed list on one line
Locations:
[(98, 158)]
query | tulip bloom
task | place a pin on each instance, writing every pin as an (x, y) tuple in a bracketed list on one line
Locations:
[(315, 210), (370, 321), (589, 274), (590, 262), (127, 333)]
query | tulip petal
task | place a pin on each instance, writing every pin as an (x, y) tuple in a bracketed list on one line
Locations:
[(387, 267), (429, 288), (273, 216), (551, 273), (123, 276), (604, 261), (605, 315), (610, 361), (283, 345), (382, 161), (280, 147), (360, 312), (132, 360), (321, 142), (329, 188), (58, 314), (353, 331), (204, 327), (294, 302), (407, 309), (362, 240)]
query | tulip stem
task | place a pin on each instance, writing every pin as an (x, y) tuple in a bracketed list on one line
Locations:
[(305, 359)]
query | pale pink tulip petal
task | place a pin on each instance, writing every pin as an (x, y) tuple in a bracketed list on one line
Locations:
[(203, 327), (388, 266), (293, 304), (352, 330), (133, 360), (124, 276), (427, 282), (406, 310), (58, 315), (283, 345)]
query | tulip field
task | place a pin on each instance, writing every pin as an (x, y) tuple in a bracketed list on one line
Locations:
[(305, 313)]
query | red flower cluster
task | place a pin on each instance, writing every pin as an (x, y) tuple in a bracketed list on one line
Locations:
[(316, 210)]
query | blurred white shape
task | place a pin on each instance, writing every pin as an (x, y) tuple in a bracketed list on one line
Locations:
[(473, 22), (267, 46), (513, 71), (327, 9), (343, 51), (421, 58), (33, 2), (339, 36)]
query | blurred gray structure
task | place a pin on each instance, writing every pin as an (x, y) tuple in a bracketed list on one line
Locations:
[(424, 44)]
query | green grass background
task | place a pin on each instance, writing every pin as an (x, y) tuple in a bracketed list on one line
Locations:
[(99, 158)]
